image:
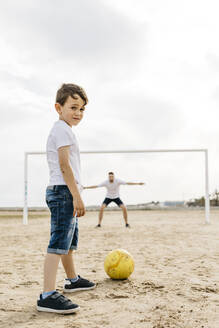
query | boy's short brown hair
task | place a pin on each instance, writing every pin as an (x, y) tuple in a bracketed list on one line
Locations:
[(70, 89)]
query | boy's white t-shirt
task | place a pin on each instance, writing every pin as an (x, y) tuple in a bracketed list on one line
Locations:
[(61, 135), (112, 187)]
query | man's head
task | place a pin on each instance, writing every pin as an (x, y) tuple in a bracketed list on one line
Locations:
[(111, 176), (70, 103)]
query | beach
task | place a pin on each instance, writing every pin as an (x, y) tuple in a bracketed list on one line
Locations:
[(175, 283)]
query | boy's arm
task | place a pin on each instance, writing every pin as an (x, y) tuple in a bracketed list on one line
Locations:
[(90, 187), (135, 183), (68, 176)]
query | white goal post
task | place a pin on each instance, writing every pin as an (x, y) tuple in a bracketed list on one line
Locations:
[(205, 151)]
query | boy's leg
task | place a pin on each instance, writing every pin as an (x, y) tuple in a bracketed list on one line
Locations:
[(50, 300), (50, 270), (61, 225), (68, 259), (68, 264), (74, 282)]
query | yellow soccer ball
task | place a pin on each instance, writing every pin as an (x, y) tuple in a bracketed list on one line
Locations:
[(119, 264)]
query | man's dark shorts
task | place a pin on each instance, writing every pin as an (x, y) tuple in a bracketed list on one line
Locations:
[(64, 227), (117, 200)]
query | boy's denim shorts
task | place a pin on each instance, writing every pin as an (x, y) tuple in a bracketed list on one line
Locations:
[(64, 227)]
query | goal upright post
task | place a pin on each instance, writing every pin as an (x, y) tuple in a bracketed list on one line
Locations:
[(25, 209), (207, 199)]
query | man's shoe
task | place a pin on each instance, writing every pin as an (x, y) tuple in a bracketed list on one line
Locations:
[(56, 303), (98, 226), (127, 225), (79, 285)]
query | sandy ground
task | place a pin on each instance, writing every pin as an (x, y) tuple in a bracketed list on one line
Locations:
[(175, 282)]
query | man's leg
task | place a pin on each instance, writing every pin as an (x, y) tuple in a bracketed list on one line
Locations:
[(50, 270), (101, 214), (125, 214)]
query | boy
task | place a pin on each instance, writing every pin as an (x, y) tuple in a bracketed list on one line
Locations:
[(112, 185), (64, 201)]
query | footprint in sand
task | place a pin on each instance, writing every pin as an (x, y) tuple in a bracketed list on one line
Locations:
[(205, 289), (114, 296), (28, 283)]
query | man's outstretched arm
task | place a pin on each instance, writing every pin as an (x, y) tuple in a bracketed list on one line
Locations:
[(90, 187), (135, 183)]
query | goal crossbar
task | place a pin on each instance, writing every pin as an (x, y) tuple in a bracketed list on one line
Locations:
[(205, 151)]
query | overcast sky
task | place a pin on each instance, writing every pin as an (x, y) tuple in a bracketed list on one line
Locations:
[(151, 72)]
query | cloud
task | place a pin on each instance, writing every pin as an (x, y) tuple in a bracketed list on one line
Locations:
[(150, 85), (148, 121), (85, 30), (215, 94), (30, 83), (213, 62), (47, 42)]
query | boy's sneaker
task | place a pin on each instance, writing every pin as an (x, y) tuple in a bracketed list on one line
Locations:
[(56, 303), (79, 285), (127, 225), (98, 226)]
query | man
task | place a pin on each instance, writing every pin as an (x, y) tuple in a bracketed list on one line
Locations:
[(112, 185)]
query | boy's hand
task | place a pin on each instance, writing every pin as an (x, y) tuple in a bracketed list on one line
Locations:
[(79, 208)]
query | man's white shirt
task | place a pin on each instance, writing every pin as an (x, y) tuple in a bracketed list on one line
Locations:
[(112, 187)]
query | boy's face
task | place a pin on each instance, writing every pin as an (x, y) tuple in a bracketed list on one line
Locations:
[(72, 111)]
